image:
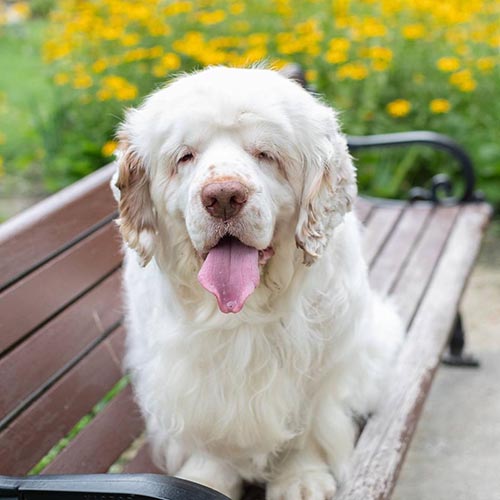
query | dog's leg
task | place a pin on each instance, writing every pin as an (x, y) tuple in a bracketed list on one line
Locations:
[(214, 473), (303, 474)]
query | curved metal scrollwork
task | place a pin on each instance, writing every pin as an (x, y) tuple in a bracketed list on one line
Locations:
[(441, 189)]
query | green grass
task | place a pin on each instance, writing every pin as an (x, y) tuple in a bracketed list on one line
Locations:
[(26, 99)]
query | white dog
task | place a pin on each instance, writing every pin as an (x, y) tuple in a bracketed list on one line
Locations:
[(237, 183)]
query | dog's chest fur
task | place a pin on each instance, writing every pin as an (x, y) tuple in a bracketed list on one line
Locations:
[(241, 394)]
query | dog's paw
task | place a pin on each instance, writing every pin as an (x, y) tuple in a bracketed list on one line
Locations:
[(312, 485)]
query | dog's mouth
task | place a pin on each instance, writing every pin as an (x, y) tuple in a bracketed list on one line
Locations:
[(230, 271)]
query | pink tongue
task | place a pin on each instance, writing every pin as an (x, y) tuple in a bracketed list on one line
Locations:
[(231, 273)]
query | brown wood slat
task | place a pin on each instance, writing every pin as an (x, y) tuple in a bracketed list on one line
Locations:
[(385, 439), (28, 367), (413, 281), (38, 296), (389, 263), (32, 236), (380, 224), (26, 440), (363, 208), (142, 462), (97, 446)]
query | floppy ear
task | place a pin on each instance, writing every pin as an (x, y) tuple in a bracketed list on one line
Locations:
[(137, 220), (328, 192)]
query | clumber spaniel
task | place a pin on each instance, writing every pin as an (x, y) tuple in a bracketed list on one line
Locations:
[(237, 183)]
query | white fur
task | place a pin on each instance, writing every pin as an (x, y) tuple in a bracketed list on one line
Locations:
[(267, 394)]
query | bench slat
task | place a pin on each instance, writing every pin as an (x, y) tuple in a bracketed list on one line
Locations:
[(390, 262), (362, 208), (380, 224), (98, 445), (24, 442), (386, 437), (142, 462), (48, 352), (36, 234), (38, 296), (415, 277)]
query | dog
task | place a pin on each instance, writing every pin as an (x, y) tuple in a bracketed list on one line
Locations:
[(254, 339)]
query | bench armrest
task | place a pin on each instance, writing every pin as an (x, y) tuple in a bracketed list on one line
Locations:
[(104, 487), (436, 141)]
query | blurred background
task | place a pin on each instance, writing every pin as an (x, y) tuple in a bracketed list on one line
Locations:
[(69, 68)]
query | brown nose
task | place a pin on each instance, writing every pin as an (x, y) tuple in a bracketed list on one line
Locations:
[(224, 199)]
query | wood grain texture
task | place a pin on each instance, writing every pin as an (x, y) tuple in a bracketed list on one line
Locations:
[(35, 298), (26, 440), (398, 247), (383, 444), (381, 223), (97, 446), (414, 278), (142, 462), (51, 350), (40, 231)]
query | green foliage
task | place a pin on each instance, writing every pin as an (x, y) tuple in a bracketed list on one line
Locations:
[(388, 66)]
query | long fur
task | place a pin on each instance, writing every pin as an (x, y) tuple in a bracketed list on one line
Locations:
[(267, 394)]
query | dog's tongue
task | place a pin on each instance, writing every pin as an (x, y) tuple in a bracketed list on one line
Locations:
[(231, 273)]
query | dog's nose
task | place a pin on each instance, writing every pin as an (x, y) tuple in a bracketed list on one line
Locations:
[(224, 199)]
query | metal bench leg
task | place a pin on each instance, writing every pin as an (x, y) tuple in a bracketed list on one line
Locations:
[(455, 355)]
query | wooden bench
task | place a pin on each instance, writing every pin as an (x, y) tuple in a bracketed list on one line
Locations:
[(65, 407)]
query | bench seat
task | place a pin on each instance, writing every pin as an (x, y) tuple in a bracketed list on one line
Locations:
[(65, 406)]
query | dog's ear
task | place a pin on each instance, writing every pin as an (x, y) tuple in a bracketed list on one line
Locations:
[(328, 191), (137, 220)]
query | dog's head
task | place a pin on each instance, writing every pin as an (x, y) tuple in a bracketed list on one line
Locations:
[(242, 162)]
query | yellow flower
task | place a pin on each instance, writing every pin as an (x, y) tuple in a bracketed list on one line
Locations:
[(176, 8), (214, 17), (82, 81), (439, 106), (485, 64), (352, 71), (130, 39), (237, 8), (109, 148), (117, 87), (339, 44), (463, 80), (22, 10), (311, 75), (99, 66), (399, 108), (414, 31), (338, 50), (61, 78), (448, 64)]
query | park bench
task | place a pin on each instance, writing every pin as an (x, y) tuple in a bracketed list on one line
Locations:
[(65, 406)]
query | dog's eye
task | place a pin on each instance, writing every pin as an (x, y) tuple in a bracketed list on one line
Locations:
[(263, 155), (185, 158)]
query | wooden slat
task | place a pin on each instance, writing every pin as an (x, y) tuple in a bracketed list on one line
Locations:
[(363, 208), (39, 295), (30, 366), (413, 281), (26, 440), (97, 446), (389, 263), (37, 233), (385, 439), (142, 462), (380, 224)]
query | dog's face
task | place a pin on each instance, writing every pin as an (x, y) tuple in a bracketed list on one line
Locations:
[(244, 161)]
